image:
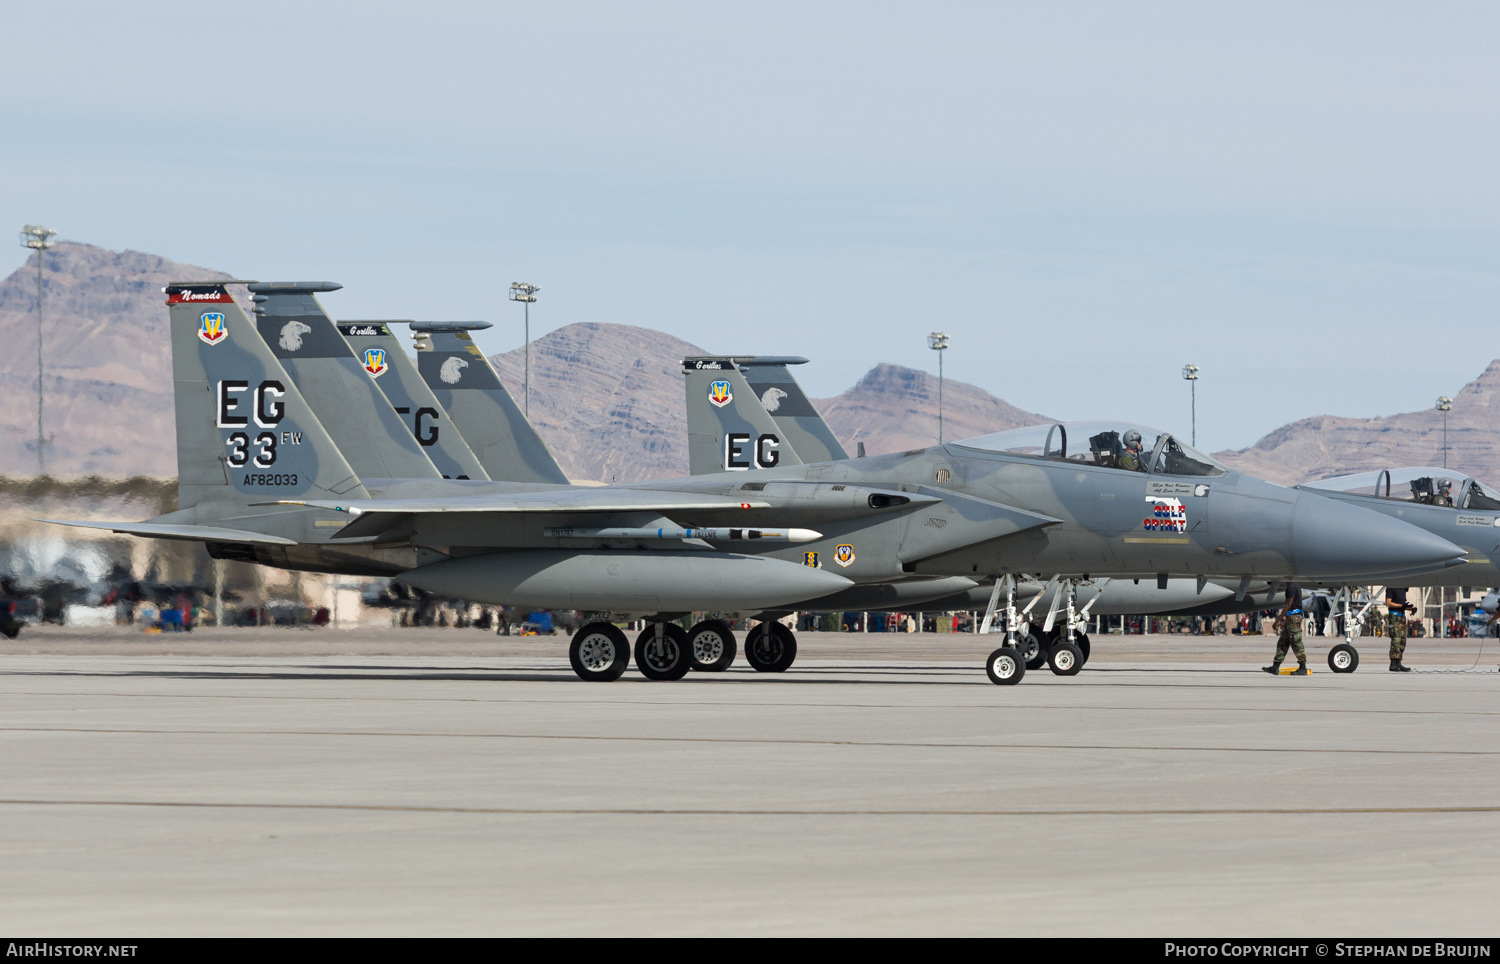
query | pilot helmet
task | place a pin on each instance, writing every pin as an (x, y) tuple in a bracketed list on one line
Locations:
[(1445, 486), (1132, 439)]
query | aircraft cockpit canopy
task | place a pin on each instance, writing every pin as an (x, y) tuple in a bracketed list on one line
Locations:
[(1103, 444), (1421, 483)]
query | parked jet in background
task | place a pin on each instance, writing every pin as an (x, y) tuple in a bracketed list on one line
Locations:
[(730, 430)]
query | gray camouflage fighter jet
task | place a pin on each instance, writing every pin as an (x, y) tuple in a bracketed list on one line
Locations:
[(1200, 518), (772, 385), (260, 479), (1444, 502)]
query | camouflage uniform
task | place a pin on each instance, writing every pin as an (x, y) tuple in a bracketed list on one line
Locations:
[(1395, 628), (1291, 638)]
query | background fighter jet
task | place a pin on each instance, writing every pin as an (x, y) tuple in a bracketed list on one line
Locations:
[(1086, 483), (798, 425), (258, 474)]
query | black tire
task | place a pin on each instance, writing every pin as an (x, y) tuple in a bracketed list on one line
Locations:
[(711, 646), (1066, 659), (599, 653), (1343, 658), (770, 648), (664, 660), (1081, 640), (1033, 648), (1005, 667), (10, 632)]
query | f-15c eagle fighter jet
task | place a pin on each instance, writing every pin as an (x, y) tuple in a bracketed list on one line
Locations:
[(260, 479)]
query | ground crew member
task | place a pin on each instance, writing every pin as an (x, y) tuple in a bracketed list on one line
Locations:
[(1132, 458), (1289, 626), (1396, 608), (1444, 493)]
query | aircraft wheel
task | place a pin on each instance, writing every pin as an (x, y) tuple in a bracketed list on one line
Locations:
[(668, 657), (1081, 640), (1343, 658), (599, 653), (1005, 667), (1033, 649), (770, 647), (711, 646), (1066, 659)]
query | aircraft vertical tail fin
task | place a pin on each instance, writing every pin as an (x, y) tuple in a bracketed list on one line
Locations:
[(245, 434), (728, 429), (805, 430), (385, 360), (375, 440), (469, 389)]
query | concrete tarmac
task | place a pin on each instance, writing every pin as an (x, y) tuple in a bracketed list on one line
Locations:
[(265, 782)]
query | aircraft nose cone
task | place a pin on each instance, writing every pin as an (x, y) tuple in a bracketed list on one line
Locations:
[(1334, 540)]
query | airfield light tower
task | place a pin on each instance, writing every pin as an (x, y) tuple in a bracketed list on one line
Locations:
[(525, 292), (938, 342), (1445, 405), (39, 239), (1190, 372)]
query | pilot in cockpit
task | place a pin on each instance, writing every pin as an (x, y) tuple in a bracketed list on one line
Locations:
[(1132, 458), (1444, 494)]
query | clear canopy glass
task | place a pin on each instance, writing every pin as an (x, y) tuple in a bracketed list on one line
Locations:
[(1416, 483), (1101, 443)]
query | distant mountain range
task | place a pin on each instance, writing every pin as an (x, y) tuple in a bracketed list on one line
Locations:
[(608, 399)]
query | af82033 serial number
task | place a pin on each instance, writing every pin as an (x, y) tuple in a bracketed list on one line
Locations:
[(268, 479)]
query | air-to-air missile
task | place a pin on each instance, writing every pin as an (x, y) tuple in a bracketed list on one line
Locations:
[(261, 479)]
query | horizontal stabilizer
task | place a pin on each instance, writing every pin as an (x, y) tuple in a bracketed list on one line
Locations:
[(158, 530)]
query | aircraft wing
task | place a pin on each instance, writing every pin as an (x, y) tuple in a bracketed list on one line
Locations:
[(160, 530)]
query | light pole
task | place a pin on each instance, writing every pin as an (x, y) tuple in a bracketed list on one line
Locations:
[(1190, 372), (525, 292), (39, 239), (1445, 405), (938, 342)]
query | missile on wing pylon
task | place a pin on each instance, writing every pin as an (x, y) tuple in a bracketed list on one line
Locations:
[(719, 534)]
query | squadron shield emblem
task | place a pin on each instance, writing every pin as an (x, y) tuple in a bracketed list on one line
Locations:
[(719, 394), (844, 555), (375, 362), (810, 559), (211, 327)]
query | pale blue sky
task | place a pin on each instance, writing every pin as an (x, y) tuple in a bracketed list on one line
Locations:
[(1300, 198)]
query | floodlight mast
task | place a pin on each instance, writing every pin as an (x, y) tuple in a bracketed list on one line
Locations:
[(1445, 405), (38, 239), (525, 292), (938, 342), (1190, 372)]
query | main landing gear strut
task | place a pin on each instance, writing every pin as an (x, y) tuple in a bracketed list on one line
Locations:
[(1065, 648)]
